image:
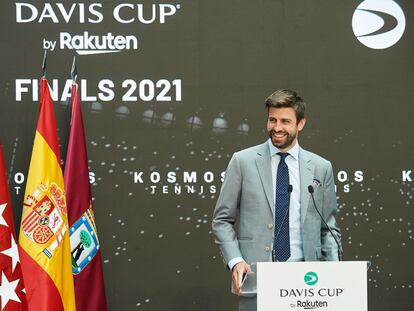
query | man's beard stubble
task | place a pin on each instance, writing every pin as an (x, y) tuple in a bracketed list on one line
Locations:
[(290, 138)]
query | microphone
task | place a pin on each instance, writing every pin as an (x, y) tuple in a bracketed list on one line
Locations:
[(340, 255), (290, 189)]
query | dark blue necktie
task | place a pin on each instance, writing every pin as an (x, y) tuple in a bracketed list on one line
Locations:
[(282, 239)]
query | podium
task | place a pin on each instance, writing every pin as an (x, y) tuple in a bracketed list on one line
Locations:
[(327, 286)]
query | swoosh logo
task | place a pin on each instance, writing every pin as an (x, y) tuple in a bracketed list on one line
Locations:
[(390, 22), (310, 278)]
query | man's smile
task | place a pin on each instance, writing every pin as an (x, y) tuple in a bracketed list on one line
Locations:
[(279, 134)]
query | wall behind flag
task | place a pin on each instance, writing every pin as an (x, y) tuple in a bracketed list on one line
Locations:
[(170, 90)]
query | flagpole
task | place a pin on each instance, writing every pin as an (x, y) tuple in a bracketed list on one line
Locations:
[(74, 76), (44, 64), (74, 70)]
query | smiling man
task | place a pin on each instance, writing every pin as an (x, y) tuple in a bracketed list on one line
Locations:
[(266, 193)]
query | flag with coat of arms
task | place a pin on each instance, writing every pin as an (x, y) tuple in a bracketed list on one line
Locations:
[(44, 233), (85, 247)]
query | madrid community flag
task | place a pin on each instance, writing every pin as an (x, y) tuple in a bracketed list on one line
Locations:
[(44, 232), (12, 294), (85, 252)]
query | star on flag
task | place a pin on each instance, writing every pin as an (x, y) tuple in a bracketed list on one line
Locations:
[(2, 220), (12, 252), (8, 290)]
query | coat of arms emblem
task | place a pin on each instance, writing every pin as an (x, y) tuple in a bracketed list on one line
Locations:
[(84, 242), (44, 224)]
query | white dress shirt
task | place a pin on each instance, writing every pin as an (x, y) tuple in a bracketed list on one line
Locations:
[(292, 161)]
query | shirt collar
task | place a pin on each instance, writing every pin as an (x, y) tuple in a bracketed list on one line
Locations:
[(294, 151)]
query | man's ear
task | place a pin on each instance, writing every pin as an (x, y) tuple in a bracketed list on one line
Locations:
[(301, 124)]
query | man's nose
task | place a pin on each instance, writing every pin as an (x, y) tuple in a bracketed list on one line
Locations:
[(277, 127)]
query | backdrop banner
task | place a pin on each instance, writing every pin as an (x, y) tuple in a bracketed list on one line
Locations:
[(169, 90)]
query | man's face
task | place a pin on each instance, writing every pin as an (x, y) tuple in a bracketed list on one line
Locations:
[(283, 127)]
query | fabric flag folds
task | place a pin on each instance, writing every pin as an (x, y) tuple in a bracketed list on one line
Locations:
[(44, 234), (12, 295), (86, 255)]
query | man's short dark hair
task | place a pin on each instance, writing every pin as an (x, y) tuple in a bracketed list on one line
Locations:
[(287, 99)]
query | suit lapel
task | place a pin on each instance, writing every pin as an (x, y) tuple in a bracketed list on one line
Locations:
[(264, 167), (306, 170)]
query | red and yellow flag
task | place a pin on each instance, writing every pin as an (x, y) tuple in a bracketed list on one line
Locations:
[(44, 234)]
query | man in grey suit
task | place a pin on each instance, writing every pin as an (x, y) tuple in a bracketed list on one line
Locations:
[(264, 211)]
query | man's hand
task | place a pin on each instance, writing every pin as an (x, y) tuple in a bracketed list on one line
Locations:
[(237, 275)]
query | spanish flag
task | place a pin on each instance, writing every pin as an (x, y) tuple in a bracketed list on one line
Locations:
[(44, 234)]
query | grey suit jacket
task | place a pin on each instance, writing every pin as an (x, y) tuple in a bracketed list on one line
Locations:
[(245, 211)]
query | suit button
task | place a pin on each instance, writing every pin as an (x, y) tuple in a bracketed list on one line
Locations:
[(267, 249), (270, 226)]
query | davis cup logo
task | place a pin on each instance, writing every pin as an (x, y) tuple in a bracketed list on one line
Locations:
[(378, 24), (311, 278)]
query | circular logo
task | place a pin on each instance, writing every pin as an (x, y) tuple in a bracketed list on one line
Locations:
[(378, 24), (311, 278)]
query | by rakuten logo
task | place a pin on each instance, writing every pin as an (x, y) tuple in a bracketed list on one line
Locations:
[(86, 43)]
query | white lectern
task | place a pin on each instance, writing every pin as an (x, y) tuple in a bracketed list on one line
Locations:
[(325, 286)]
